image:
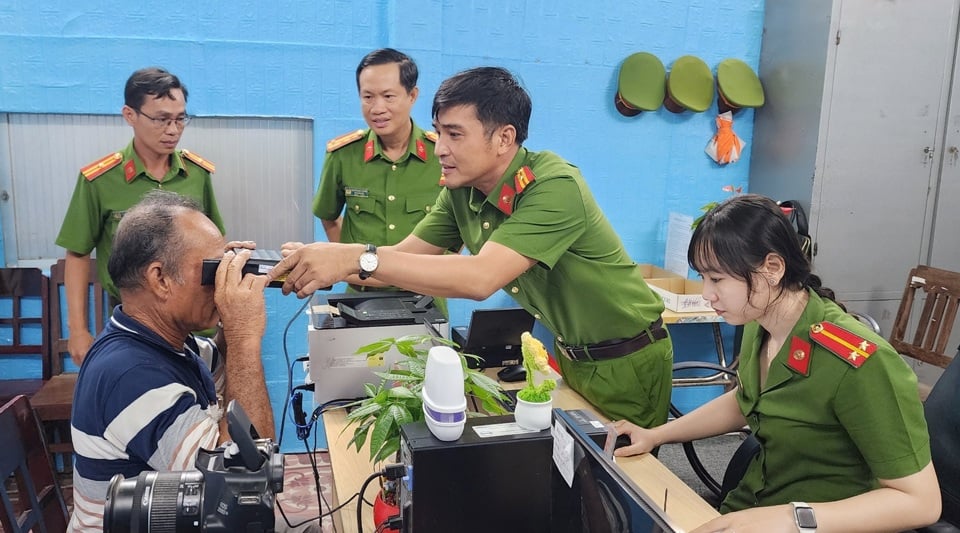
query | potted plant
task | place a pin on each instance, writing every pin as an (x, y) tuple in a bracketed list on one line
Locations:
[(397, 399), (535, 400)]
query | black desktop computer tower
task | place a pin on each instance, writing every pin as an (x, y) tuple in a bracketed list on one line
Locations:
[(491, 479)]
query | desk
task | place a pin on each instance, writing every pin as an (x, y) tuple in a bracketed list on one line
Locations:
[(350, 468)]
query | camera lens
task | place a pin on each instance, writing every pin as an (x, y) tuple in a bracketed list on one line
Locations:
[(154, 502)]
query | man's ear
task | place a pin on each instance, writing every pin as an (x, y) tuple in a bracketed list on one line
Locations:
[(156, 280), (129, 114), (505, 138)]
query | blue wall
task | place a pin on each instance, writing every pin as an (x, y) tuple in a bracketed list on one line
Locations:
[(292, 58)]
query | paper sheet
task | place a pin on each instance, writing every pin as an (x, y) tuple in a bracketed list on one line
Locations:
[(678, 239)]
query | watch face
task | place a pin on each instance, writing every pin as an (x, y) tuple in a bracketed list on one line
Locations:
[(806, 518), (368, 262)]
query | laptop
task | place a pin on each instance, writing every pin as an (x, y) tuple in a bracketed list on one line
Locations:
[(494, 335)]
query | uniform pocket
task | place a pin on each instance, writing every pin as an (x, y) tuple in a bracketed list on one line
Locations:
[(421, 203)]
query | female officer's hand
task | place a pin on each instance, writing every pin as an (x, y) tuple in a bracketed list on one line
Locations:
[(641, 440), (773, 519)]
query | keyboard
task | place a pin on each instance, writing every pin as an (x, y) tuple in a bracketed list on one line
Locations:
[(510, 403)]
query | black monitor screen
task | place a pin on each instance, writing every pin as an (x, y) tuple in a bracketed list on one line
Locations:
[(602, 499)]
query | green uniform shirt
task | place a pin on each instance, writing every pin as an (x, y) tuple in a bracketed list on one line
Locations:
[(98, 204), (384, 199), (584, 287), (831, 434)]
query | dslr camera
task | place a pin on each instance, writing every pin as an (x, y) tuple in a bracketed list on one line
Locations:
[(233, 489)]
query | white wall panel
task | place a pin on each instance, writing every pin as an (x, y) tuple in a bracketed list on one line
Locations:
[(263, 183)]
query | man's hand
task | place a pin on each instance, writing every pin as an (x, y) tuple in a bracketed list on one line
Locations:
[(239, 299), (249, 245), (78, 344), (310, 267), (290, 247)]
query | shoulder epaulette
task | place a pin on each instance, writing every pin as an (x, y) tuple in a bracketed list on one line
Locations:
[(848, 346), (100, 166), (431, 136), (201, 162), (339, 142)]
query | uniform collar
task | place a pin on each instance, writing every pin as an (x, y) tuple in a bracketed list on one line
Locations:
[(417, 146), (505, 191), (133, 166), (799, 340)]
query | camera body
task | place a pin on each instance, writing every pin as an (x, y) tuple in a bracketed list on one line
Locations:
[(233, 489)]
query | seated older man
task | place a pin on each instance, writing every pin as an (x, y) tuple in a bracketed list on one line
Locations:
[(145, 398)]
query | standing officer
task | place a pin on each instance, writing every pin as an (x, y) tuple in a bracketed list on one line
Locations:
[(533, 229), (155, 106), (389, 181)]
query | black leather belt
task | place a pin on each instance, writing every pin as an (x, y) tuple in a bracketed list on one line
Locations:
[(615, 348)]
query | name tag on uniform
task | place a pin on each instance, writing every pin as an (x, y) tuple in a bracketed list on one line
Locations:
[(356, 193)]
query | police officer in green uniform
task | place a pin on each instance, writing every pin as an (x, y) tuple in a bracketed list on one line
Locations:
[(843, 441), (379, 182), (155, 107), (534, 230)]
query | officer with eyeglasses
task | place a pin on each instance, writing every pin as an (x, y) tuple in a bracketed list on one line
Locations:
[(155, 106)]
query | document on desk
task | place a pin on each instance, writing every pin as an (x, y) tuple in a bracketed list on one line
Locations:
[(563, 452)]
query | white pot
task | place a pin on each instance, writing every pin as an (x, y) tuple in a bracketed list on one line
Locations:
[(533, 415)]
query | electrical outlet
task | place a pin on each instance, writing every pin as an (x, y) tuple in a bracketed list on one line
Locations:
[(306, 367)]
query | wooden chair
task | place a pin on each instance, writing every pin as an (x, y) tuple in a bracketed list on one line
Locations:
[(54, 401), (33, 501), (927, 342), (20, 287)]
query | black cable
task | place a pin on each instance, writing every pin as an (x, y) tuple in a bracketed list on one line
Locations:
[(360, 502), (286, 357)]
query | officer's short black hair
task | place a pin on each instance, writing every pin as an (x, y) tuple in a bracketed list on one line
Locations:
[(383, 56), (153, 81), (496, 94)]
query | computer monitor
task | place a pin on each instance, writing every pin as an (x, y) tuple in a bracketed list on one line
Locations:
[(601, 497), (494, 335)]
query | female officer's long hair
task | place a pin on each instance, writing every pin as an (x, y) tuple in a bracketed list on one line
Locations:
[(736, 236)]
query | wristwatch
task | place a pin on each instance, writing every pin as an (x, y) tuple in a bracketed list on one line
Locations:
[(368, 261), (804, 516)]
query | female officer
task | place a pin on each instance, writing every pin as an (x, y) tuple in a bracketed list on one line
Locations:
[(834, 407)]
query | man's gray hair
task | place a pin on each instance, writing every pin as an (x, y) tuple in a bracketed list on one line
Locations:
[(146, 234)]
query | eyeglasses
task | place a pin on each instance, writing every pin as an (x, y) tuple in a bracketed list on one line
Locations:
[(164, 123)]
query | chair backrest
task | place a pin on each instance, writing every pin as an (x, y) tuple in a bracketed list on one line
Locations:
[(28, 330), (58, 334), (928, 341), (37, 502)]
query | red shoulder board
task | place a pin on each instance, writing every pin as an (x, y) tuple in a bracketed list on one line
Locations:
[(799, 358), (339, 142), (431, 136), (848, 346), (421, 150), (100, 166), (201, 162), (443, 180), (522, 178), (505, 201)]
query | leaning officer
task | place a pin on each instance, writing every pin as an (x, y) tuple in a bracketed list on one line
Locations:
[(534, 230)]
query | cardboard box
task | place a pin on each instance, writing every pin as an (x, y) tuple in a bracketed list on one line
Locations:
[(655, 272), (680, 295)]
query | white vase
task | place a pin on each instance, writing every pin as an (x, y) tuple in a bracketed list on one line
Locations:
[(533, 415)]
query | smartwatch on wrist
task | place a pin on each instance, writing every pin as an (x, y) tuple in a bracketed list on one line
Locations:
[(368, 261), (805, 518)]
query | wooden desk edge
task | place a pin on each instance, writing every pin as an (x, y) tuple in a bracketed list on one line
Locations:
[(685, 507)]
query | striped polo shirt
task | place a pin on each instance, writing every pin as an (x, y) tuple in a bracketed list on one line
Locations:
[(139, 405)]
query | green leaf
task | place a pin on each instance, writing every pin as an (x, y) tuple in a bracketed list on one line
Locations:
[(375, 348)]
